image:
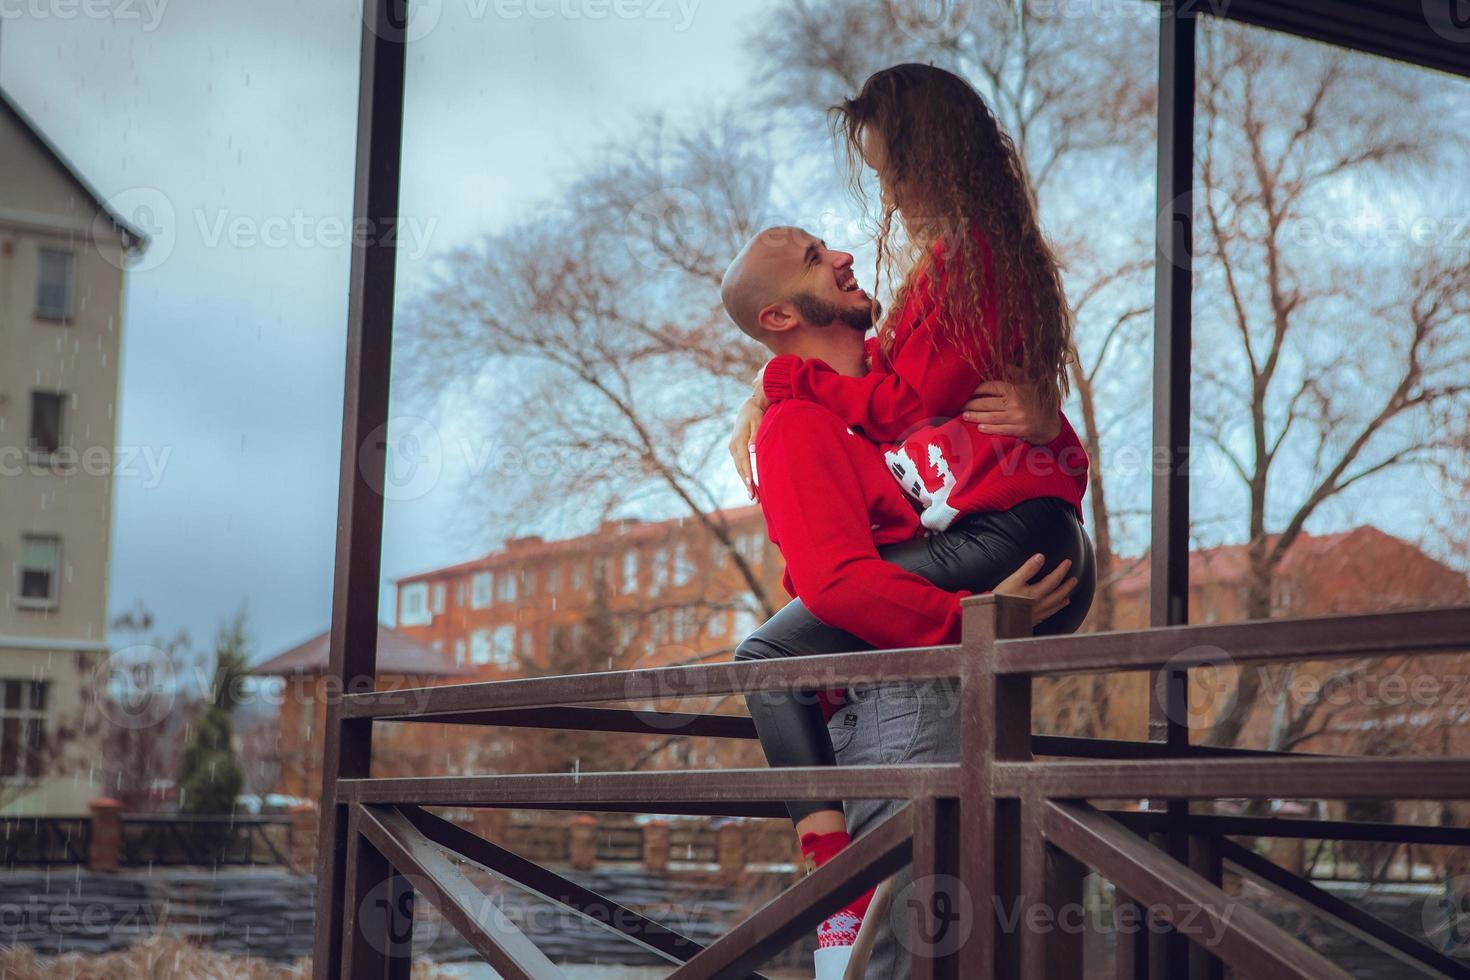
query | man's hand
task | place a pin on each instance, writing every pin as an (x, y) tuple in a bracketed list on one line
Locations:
[(1048, 595), (742, 441), (1013, 408)]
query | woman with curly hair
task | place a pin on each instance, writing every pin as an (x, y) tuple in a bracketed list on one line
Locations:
[(978, 305)]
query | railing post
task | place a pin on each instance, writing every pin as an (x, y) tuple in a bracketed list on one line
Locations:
[(302, 836), (582, 842), (656, 845), (730, 846), (995, 723), (362, 468), (105, 849)]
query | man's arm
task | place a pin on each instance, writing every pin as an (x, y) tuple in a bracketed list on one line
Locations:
[(931, 379), (817, 515)]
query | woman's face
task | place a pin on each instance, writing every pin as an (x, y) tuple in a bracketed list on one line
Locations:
[(875, 155)]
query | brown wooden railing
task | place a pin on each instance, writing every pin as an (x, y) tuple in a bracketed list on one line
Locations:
[(1007, 828)]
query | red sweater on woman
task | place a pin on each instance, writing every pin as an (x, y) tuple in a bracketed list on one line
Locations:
[(909, 402), (829, 504)]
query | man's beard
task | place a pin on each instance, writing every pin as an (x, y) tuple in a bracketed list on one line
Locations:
[(819, 311)]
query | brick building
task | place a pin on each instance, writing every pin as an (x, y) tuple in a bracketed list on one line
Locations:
[(669, 592), (1356, 571)]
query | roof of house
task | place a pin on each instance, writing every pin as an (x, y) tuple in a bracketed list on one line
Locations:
[(397, 654), (1231, 562), (133, 239), (623, 531)]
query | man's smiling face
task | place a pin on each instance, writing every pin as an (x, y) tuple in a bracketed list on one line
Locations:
[(785, 278), (826, 291)]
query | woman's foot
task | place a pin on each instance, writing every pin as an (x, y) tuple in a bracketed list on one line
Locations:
[(839, 930)]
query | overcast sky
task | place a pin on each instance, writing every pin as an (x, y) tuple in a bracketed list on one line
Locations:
[(228, 128)]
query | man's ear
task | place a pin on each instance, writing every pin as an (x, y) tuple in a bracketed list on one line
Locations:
[(776, 318)]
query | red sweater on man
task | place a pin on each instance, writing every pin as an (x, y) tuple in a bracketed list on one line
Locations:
[(829, 503), (909, 401)]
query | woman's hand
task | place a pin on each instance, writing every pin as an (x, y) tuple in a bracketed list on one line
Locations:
[(742, 440), (1048, 595), (1014, 408)]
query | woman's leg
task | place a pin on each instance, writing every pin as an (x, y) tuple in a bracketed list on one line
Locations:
[(975, 555), (791, 725)]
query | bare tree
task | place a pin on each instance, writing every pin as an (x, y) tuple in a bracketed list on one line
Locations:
[(593, 336), (1316, 367)]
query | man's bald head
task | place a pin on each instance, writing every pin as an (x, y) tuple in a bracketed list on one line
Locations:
[(768, 269)]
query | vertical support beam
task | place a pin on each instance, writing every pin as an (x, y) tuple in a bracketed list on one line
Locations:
[(995, 723), (1169, 554), (1036, 919), (1130, 927), (353, 644), (936, 905), (1066, 895), (377, 929), (1205, 859)]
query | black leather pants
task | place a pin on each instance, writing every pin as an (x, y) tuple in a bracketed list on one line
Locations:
[(974, 554)]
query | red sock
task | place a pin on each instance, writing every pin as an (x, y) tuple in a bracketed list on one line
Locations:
[(841, 928)]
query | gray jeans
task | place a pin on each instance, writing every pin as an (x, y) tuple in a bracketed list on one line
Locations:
[(894, 724)]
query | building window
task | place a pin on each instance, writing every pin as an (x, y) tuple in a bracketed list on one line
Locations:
[(507, 584), (683, 567), (716, 625), (627, 633), (459, 652), (503, 646), (414, 605), (22, 729), (528, 583), (438, 598), (578, 576), (459, 594), (659, 573), (480, 590), (751, 547), (54, 276), (630, 571), (47, 409), (553, 579), (480, 647), (527, 640), (40, 569), (746, 622)]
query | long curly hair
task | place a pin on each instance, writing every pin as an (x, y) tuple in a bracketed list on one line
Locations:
[(945, 167)]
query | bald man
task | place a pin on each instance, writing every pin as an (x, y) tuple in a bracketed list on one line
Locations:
[(862, 572)]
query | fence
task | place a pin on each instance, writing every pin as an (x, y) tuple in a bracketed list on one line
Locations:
[(1009, 829), (110, 840)]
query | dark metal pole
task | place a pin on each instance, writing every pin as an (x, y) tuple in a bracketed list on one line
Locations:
[(1169, 554), (353, 650)]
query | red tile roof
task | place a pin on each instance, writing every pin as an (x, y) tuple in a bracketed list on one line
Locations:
[(1231, 562), (397, 654)]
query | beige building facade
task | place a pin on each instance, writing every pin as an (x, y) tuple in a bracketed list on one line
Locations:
[(62, 261)]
